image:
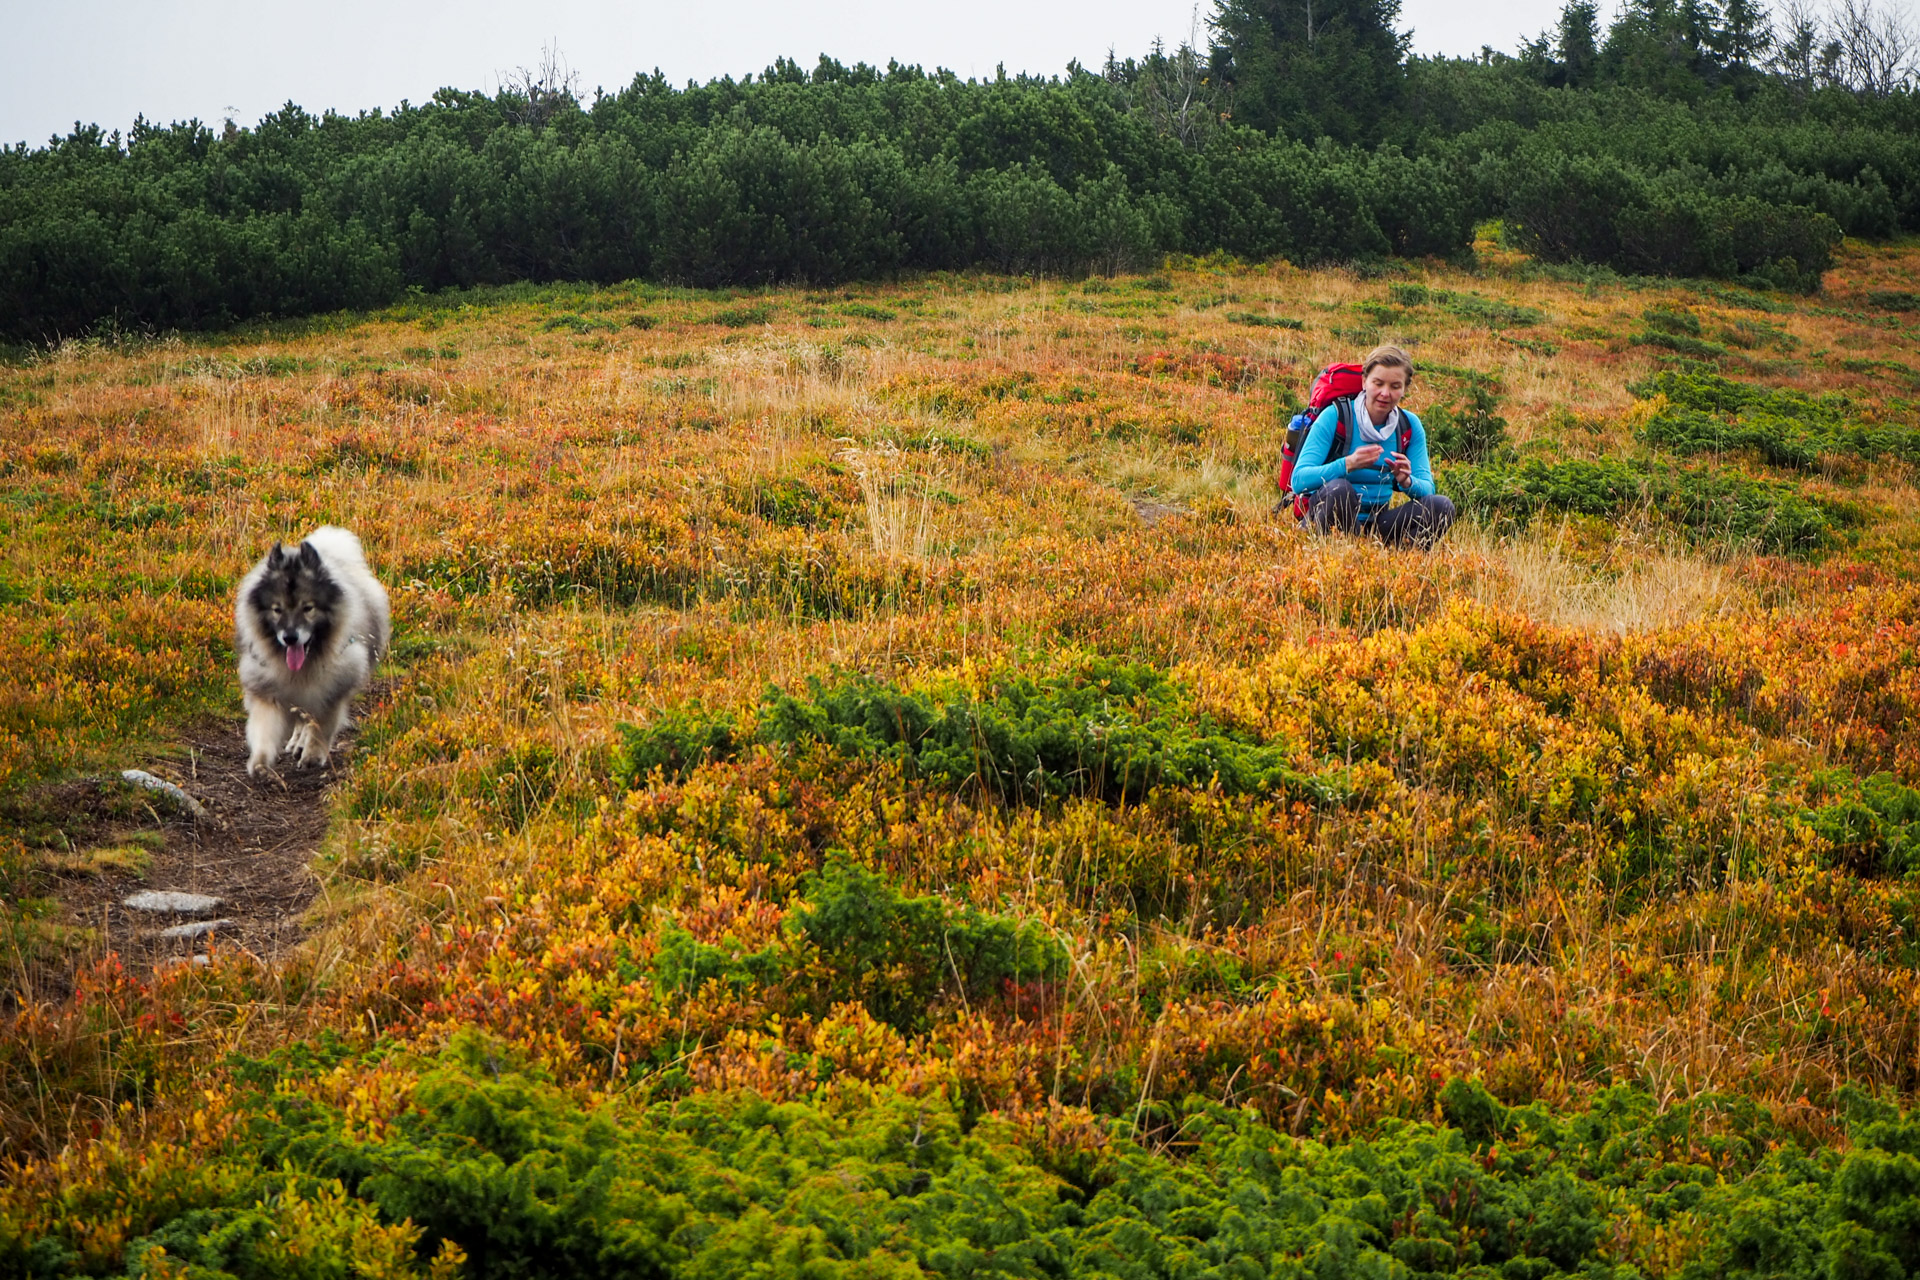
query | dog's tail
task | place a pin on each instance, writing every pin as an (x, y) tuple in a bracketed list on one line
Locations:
[(339, 545), (341, 551)]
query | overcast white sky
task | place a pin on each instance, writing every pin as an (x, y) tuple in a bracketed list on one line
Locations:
[(106, 61)]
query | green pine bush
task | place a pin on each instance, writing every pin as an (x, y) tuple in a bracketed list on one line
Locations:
[(534, 1180), (1708, 505)]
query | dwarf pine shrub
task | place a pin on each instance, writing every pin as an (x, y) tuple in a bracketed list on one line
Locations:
[(901, 956), (1472, 431), (1709, 505), (1111, 730), (675, 744), (484, 1159), (1707, 412), (1871, 824)]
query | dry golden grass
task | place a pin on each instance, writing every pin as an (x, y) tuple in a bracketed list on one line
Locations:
[(1656, 585)]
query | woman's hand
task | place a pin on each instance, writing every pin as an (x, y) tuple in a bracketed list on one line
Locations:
[(1365, 456), (1402, 469)]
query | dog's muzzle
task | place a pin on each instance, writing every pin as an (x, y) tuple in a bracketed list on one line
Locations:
[(295, 645)]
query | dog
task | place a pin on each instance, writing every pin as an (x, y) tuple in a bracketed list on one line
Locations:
[(310, 624)]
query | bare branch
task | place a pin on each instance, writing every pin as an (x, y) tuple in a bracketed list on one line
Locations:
[(535, 96)]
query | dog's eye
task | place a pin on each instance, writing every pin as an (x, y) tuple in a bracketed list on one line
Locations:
[(306, 608)]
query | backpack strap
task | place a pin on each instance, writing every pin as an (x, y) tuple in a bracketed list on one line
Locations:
[(1342, 428), (1406, 442)]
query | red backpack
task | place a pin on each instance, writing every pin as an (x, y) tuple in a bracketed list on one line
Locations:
[(1336, 385)]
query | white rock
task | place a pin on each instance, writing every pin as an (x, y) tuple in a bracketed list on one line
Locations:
[(170, 902), (141, 778), (197, 928)]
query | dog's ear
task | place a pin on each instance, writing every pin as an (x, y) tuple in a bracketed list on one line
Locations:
[(309, 556), (277, 557)]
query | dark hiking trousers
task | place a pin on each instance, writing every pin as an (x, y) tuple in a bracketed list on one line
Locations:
[(1335, 505)]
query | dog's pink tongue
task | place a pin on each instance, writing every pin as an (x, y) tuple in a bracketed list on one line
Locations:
[(296, 656)]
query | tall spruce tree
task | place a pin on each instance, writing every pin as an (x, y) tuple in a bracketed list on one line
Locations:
[(1662, 46), (1312, 68), (1579, 43), (1746, 38)]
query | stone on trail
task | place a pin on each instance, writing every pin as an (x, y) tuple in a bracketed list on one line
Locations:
[(196, 929), (141, 778), (168, 901)]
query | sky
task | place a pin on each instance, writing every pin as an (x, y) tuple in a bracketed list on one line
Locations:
[(106, 61)]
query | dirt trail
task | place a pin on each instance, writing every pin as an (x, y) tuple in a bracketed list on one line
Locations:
[(251, 848)]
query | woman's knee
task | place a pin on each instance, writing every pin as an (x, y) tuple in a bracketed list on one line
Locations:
[(1340, 494), (1336, 505), (1436, 517)]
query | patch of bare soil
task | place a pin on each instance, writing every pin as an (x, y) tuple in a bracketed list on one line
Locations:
[(1152, 513), (250, 848)]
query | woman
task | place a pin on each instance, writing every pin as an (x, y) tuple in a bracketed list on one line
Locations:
[(1350, 476)]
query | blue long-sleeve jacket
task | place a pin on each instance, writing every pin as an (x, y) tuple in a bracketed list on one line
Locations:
[(1314, 468)]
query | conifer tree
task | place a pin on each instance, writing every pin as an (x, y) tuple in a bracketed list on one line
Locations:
[(1747, 34), (1746, 37), (1579, 42), (1658, 45), (1312, 68)]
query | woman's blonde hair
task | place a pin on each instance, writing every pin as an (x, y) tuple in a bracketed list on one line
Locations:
[(1391, 356)]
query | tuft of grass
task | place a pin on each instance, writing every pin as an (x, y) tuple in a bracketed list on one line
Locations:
[(132, 855), (899, 497)]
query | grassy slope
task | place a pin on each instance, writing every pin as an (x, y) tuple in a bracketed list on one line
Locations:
[(1578, 763)]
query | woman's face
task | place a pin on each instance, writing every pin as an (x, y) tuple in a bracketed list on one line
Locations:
[(1384, 388)]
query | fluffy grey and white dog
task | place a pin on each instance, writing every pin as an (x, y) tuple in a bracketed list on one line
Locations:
[(309, 624)]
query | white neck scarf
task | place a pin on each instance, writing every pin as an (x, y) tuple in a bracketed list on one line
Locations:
[(1370, 434)]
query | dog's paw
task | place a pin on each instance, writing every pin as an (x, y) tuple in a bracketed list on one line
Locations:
[(300, 746), (309, 749), (261, 762)]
